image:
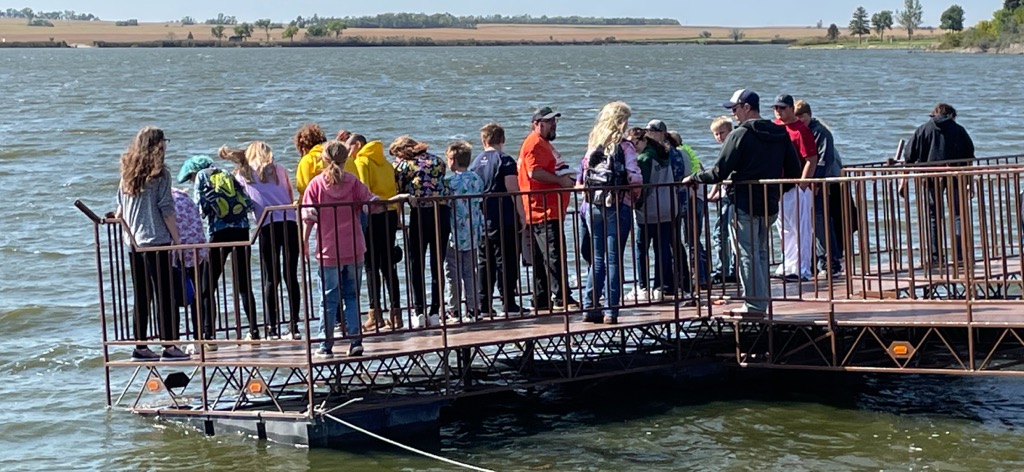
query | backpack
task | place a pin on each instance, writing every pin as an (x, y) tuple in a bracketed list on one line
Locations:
[(603, 171), (228, 203)]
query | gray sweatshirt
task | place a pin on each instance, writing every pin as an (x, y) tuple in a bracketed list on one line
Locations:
[(144, 213)]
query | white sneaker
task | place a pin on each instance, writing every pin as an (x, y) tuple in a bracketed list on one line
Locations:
[(655, 295), (418, 321), (434, 320), (639, 294), (470, 319)]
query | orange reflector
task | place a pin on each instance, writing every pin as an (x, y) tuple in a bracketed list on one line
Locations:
[(901, 350), (255, 387), (153, 385)]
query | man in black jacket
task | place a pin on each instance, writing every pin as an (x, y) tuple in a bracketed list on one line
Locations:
[(756, 150), (942, 141)]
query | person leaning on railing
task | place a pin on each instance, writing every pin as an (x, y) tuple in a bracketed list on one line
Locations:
[(267, 185), (145, 203), (757, 150)]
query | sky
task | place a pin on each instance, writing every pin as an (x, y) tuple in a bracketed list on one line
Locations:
[(688, 12)]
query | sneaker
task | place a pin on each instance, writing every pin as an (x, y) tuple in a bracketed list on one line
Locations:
[(252, 336), (338, 332), (324, 353), (638, 294), (418, 321), (746, 312), (144, 355), (452, 318), (296, 335), (355, 350), (434, 320), (470, 318), (592, 318), (791, 278), (210, 347), (273, 335), (516, 310), (655, 295), (172, 354), (610, 320)]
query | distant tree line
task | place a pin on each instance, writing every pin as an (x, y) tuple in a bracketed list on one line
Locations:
[(446, 20), (29, 14)]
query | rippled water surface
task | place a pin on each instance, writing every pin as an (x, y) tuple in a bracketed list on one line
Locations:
[(67, 114)]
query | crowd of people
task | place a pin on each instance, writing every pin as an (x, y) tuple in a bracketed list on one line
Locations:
[(478, 217)]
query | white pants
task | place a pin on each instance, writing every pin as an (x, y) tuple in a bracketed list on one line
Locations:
[(796, 233)]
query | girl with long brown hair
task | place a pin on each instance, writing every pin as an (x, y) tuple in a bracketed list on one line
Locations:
[(145, 203)]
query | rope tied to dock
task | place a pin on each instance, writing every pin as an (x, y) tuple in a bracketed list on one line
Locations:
[(327, 414)]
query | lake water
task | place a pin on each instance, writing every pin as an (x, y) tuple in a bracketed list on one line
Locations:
[(68, 114)]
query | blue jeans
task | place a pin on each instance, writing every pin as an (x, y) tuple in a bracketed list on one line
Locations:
[(609, 228), (751, 236), (721, 238), (340, 285)]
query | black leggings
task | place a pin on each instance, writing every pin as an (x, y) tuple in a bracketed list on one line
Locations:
[(242, 277), (427, 235), (279, 258), (381, 260), (151, 278)]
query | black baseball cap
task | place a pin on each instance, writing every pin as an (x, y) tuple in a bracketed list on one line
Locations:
[(656, 125), (784, 101), (545, 113)]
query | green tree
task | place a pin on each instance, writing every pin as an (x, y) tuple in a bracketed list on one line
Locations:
[(264, 24), (290, 32), (833, 33), (316, 31), (881, 21), (736, 34), (859, 23), (910, 17), (336, 27), (217, 32), (243, 30), (952, 19), (29, 14), (1011, 5), (188, 20), (705, 34)]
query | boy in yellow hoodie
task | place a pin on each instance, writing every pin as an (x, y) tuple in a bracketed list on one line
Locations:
[(382, 254)]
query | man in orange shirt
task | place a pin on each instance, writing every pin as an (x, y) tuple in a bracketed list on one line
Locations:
[(545, 211)]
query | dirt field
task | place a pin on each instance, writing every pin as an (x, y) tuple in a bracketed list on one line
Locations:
[(85, 32)]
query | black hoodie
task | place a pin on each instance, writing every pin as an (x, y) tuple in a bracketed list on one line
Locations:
[(755, 150), (940, 139)]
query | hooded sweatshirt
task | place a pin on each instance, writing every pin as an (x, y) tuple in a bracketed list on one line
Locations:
[(940, 139), (309, 166), (656, 167), (755, 150), (374, 170)]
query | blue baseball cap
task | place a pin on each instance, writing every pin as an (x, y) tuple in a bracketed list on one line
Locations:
[(743, 96)]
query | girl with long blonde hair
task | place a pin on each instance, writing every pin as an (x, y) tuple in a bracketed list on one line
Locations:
[(610, 161), (145, 203), (267, 185)]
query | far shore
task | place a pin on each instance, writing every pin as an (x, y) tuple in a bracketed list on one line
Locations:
[(15, 32)]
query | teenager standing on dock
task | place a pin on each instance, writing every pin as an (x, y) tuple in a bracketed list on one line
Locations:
[(797, 218), (225, 205), (267, 184), (145, 203), (309, 141), (758, 149), (545, 211), (657, 216), (611, 161), (498, 260), (421, 175), (939, 140), (332, 203), (829, 165), (367, 161)]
